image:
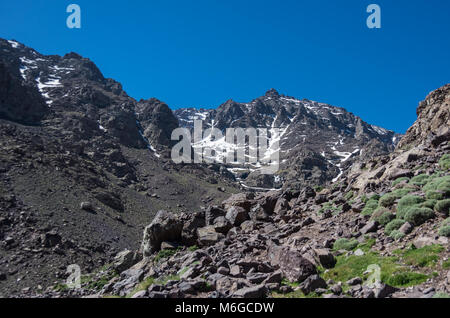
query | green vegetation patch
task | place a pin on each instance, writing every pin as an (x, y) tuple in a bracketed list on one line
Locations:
[(443, 206), (420, 179), (427, 256), (406, 203), (163, 254), (444, 230), (392, 273), (418, 215), (393, 225), (435, 195), (439, 184), (345, 244), (397, 235), (384, 217), (444, 162), (370, 207), (399, 180)]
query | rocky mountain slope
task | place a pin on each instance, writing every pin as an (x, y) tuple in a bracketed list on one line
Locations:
[(85, 171), (385, 237), (317, 141), (83, 167)]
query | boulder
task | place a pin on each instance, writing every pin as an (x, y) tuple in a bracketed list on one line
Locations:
[(124, 260), (190, 226), (406, 228), (294, 266), (325, 258), (212, 213), (236, 215), (251, 292), (371, 226), (222, 225), (165, 227), (312, 283), (208, 236), (243, 200)]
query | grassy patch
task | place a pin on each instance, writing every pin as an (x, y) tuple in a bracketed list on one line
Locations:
[(426, 256), (441, 295), (391, 272), (345, 244), (446, 264), (383, 217), (330, 206), (165, 254), (444, 162)]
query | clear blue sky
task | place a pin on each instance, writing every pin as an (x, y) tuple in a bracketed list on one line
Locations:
[(202, 52)]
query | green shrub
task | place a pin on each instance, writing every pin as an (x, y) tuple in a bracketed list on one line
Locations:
[(393, 225), (406, 203), (384, 218), (420, 179), (428, 204), (444, 230), (434, 195), (400, 193), (370, 207), (345, 244), (444, 162), (441, 295), (396, 235), (439, 184), (443, 206), (418, 215), (399, 180), (388, 199)]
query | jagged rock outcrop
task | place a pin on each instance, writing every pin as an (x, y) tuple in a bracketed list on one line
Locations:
[(433, 120)]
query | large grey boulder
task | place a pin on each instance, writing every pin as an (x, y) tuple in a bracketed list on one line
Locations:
[(164, 227), (236, 215), (292, 264)]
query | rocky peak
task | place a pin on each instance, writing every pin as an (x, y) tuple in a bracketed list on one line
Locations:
[(157, 122), (272, 93), (317, 141), (433, 120)]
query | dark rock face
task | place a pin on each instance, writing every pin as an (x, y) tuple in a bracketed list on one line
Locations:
[(157, 121), (433, 120), (17, 102)]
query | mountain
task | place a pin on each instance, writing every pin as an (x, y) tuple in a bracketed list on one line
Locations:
[(317, 141), (83, 167), (86, 178), (381, 231)]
